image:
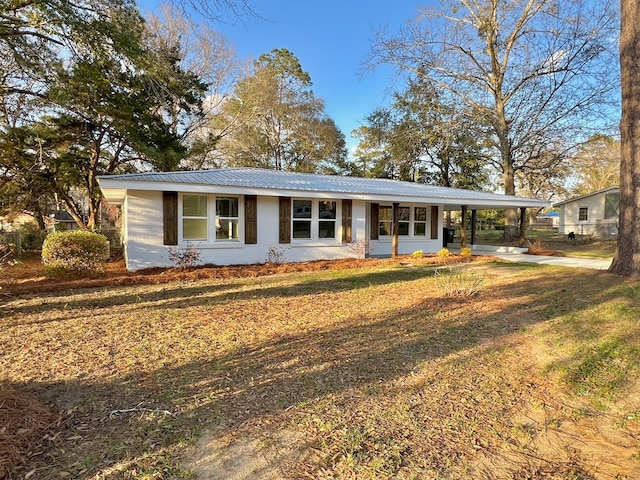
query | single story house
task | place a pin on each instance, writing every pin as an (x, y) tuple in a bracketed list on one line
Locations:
[(594, 214), (240, 215)]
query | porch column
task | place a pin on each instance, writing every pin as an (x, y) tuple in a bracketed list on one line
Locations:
[(522, 240), (394, 234), (463, 228), (473, 226)]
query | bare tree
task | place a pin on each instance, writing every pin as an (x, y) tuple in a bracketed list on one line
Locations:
[(209, 55), (533, 70), (627, 257)]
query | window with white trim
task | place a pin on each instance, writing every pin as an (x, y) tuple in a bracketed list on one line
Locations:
[(385, 221), (420, 221), (194, 217), (209, 218), (326, 219), (404, 221), (227, 221), (301, 218), (583, 214)]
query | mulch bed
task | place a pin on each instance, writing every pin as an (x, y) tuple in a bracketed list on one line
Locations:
[(28, 276)]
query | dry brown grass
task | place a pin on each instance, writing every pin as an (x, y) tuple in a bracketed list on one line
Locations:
[(370, 371)]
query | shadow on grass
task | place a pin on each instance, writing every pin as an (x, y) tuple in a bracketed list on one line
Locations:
[(264, 381)]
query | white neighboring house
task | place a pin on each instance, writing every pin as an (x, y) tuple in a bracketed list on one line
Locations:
[(594, 214), (236, 216)]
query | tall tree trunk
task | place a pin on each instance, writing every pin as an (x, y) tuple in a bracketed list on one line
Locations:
[(627, 257)]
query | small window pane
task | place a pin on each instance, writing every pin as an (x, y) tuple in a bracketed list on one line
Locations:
[(385, 213), (421, 214), (385, 228), (403, 214), (302, 229), (403, 228), (194, 205), (227, 207), (327, 229), (194, 228), (226, 229), (327, 210), (302, 209), (420, 229)]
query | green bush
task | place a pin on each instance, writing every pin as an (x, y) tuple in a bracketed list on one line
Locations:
[(75, 251)]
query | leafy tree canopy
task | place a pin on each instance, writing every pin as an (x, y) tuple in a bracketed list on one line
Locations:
[(276, 120)]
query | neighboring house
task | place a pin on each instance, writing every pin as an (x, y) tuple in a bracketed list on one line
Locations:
[(594, 214), (61, 221), (546, 221), (236, 216)]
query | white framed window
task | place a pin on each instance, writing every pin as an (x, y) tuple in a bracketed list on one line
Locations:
[(209, 218), (385, 221), (314, 219), (301, 218), (404, 221), (195, 217), (327, 219), (227, 219), (420, 221), (583, 214)]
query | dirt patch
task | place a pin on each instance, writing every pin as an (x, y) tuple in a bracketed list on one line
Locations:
[(245, 458)]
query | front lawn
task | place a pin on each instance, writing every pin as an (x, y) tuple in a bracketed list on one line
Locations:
[(367, 372)]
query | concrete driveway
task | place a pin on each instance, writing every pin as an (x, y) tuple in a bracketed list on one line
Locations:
[(593, 263)]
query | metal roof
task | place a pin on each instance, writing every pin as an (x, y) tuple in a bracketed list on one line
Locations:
[(277, 182)]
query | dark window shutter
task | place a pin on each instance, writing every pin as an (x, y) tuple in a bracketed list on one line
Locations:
[(375, 216), (434, 222), (346, 221), (170, 218), (285, 220), (250, 219)]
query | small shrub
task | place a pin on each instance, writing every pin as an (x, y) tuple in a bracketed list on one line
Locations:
[(417, 254), (465, 252), (457, 282), (187, 258), (75, 251), (277, 255), (443, 253)]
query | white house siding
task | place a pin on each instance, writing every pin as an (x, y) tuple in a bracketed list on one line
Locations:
[(143, 236), (595, 225)]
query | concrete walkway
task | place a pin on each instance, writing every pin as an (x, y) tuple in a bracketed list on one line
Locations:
[(593, 263)]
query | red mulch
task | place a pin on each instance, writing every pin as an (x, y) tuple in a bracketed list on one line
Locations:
[(29, 277)]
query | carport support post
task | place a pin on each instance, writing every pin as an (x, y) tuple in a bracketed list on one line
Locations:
[(523, 224), (473, 226), (463, 228), (394, 235)]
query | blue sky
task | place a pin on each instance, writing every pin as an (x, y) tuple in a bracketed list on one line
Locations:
[(331, 38)]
